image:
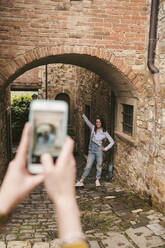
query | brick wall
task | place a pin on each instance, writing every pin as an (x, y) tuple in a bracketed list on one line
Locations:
[(113, 24)]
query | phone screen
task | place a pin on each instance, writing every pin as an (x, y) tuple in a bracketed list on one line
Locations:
[(48, 120), (47, 132)]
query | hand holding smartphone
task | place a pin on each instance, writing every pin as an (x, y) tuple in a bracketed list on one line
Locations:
[(48, 119)]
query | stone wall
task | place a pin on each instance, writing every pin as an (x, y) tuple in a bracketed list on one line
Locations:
[(82, 87), (146, 158), (161, 56), (5, 138), (139, 165)]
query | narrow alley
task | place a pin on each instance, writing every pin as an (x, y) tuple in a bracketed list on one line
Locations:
[(111, 217)]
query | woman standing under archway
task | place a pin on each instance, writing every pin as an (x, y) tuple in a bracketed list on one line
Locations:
[(95, 149)]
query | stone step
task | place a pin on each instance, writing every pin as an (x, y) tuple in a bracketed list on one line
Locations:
[(27, 244)]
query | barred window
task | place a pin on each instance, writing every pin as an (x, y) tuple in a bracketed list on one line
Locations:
[(128, 119)]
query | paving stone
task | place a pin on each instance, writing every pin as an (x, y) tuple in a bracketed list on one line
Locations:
[(94, 244), (137, 211), (144, 238), (25, 236), (89, 231), (133, 222), (156, 228), (40, 235), (19, 244), (2, 237), (154, 221), (2, 244), (118, 190), (155, 216), (11, 237), (110, 197), (26, 227), (106, 207), (163, 236), (124, 212), (116, 240), (99, 235), (90, 236), (41, 245), (34, 240), (55, 244), (27, 231)]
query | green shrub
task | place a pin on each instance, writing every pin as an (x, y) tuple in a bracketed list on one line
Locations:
[(19, 115)]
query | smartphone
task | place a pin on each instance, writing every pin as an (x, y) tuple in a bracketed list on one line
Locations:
[(48, 119)]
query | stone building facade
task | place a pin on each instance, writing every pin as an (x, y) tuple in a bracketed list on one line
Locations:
[(82, 88), (110, 39)]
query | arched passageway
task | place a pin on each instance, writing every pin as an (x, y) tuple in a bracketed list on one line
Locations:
[(99, 61), (119, 78)]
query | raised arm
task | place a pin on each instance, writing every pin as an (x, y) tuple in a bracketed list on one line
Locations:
[(111, 141), (89, 124)]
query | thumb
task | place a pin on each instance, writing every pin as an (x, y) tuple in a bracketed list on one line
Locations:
[(36, 180), (47, 162)]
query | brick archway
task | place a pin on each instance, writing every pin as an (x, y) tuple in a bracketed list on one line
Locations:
[(68, 55)]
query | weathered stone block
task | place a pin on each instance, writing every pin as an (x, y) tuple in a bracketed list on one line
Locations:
[(157, 229), (19, 244), (55, 244), (162, 92), (143, 237), (2, 244), (41, 245), (116, 240)]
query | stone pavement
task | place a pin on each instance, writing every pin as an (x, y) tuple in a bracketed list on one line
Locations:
[(111, 218)]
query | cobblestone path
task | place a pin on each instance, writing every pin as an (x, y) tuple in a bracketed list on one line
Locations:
[(111, 217)]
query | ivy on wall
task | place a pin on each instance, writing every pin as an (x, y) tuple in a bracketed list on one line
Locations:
[(19, 115)]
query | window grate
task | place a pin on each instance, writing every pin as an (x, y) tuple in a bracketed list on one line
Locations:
[(127, 119)]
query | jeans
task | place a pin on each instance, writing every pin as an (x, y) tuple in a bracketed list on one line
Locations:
[(93, 153)]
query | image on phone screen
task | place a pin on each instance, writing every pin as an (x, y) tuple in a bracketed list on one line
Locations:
[(47, 134)]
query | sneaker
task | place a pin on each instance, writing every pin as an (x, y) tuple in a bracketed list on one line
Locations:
[(79, 184), (98, 183)]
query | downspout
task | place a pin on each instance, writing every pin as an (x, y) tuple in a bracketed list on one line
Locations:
[(152, 36), (46, 81), (151, 54)]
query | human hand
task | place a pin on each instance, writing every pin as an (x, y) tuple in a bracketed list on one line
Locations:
[(60, 185), (18, 183), (60, 177), (101, 148)]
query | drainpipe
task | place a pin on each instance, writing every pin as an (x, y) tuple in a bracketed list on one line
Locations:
[(46, 81), (152, 36), (151, 54)]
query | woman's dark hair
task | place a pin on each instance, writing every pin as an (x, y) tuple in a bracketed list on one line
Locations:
[(102, 123)]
